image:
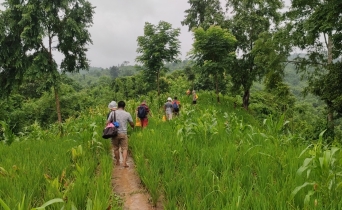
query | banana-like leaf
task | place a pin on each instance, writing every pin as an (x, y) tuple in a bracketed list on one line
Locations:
[(4, 205), (48, 203), (297, 189)]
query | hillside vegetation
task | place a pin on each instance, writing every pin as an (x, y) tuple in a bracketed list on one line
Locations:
[(213, 156)]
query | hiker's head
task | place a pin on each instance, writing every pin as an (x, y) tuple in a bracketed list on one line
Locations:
[(121, 104), (169, 99), (193, 91), (112, 105), (143, 102), (175, 98)]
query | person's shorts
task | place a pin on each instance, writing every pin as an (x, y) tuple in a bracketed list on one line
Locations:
[(144, 122), (121, 140), (176, 110), (194, 102)]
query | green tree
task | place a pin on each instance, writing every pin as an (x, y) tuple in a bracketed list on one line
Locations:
[(190, 74), (159, 44), (250, 19), (114, 71), (33, 29), (271, 52), (316, 27), (203, 13), (213, 50)]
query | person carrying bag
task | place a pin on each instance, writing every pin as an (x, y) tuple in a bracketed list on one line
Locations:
[(111, 130)]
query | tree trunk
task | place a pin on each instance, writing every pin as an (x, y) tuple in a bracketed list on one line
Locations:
[(245, 99), (217, 90), (58, 107), (330, 116), (158, 83)]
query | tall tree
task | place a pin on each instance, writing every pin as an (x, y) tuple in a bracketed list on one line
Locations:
[(250, 19), (203, 13), (213, 50), (190, 74), (114, 71), (159, 45), (316, 27), (33, 29)]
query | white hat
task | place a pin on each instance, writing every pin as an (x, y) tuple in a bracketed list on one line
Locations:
[(112, 105), (169, 99)]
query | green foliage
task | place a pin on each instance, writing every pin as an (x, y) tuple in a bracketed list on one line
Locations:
[(203, 14), (28, 24), (70, 172), (250, 19), (159, 44), (315, 27), (227, 151), (213, 51), (323, 175)]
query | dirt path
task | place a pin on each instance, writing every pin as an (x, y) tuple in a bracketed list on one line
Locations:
[(127, 184)]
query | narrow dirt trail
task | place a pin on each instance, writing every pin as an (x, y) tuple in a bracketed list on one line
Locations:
[(127, 184)]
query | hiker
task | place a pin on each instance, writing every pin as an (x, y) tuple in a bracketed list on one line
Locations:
[(188, 92), (194, 97), (142, 112), (168, 108), (176, 106), (112, 106), (121, 140)]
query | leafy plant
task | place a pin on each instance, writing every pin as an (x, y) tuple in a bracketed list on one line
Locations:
[(323, 174), (8, 136)]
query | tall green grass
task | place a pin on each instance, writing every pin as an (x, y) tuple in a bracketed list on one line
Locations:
[(216, 157), (213, 156), (72, 171)]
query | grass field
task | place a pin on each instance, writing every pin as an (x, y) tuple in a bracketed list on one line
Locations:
[(213, 156)]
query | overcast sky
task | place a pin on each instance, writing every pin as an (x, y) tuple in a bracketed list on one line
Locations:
[(118, 23)]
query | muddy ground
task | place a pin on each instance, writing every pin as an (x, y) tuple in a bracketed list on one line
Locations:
[(127, 185)]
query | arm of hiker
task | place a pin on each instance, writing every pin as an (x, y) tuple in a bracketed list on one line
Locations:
[(131, 124), (130, 120)]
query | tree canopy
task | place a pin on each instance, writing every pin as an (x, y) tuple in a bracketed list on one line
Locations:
[(250, 19), (213, 51), (159, 45), (203, 13), (32, 30)]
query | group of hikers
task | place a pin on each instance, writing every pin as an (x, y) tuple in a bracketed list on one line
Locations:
[(171, 107), (122, 118)]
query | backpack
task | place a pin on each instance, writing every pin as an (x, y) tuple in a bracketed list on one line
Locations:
[(175, 105), (142, 112)]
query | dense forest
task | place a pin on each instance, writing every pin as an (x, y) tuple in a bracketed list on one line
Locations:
[(31, 104)]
